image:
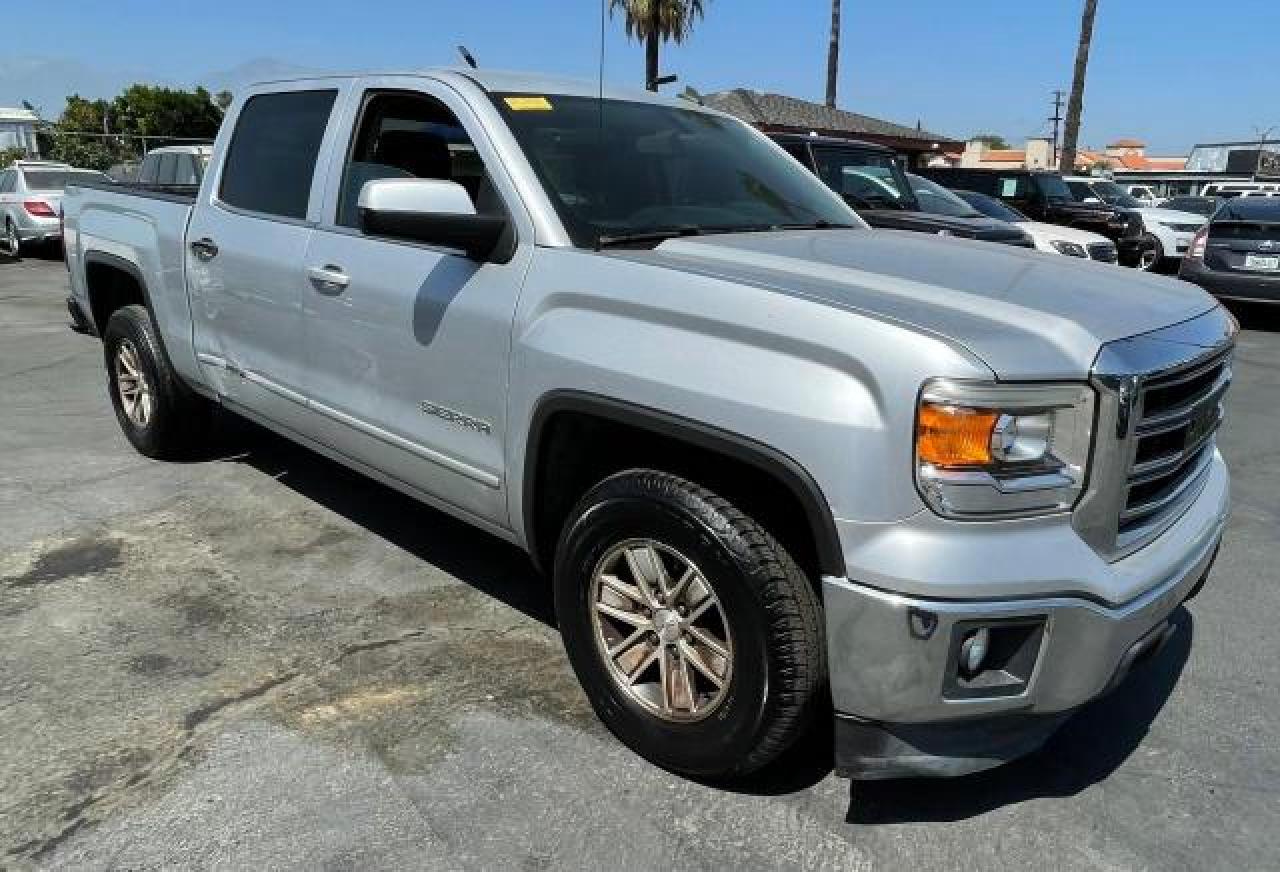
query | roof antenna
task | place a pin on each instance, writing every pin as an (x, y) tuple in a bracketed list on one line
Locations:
[(466, 56)]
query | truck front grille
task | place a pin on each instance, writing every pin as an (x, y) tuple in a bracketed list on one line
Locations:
[(1177, 414), (1159, 408)]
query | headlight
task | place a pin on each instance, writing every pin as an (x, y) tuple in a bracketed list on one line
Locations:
[(987, 450), (1070, 249)]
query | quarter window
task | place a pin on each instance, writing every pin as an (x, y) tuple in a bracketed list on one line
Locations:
[(272, 157)]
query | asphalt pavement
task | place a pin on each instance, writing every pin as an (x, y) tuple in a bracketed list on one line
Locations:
[(262, 660)]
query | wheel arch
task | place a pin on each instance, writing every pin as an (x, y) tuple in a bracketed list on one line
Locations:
[(759, 478), (110, 283)]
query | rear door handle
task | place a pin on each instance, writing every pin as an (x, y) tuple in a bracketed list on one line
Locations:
[(328, 278), (204, 248)]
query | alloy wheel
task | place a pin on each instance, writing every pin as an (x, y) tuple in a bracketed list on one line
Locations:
[(661, 630), (136, 396)]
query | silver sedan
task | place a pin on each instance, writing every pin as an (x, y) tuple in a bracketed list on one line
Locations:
[(31, 201)]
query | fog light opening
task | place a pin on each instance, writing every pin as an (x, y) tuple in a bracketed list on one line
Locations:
[(973, 651)]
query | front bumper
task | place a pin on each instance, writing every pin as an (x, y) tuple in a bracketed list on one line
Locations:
[(901, 710)]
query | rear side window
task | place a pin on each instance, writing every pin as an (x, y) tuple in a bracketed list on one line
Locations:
[(150, 166), (186, 174), (6, 183), (272, 156)]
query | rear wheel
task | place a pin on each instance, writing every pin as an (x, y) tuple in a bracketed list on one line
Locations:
[(695, 635), (160, 416), (12, 242)]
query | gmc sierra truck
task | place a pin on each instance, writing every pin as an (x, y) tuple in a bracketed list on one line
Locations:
[(780, 466)]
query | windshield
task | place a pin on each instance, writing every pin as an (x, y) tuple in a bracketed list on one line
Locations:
[(934, 198), (57, 180), (1198, 205), (1104, 191), (620, 168), (866, 179), (991, 207), (1053, 187)]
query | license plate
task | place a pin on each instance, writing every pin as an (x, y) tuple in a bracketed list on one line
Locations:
[(1262, 261)]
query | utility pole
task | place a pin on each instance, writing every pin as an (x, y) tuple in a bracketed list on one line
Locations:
[(1056, 118)]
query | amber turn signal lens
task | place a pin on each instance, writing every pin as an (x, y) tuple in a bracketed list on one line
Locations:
[(954, 436)]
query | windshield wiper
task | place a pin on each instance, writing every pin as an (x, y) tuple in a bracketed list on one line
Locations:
[(608, 241), (820, 224)]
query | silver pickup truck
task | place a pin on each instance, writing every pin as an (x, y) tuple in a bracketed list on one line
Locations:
[(778, 464)]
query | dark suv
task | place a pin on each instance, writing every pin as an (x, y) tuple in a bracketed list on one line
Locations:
[(870, 178), (1044, 196)]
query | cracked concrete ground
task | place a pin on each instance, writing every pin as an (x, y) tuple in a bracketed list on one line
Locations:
[(265, 661)]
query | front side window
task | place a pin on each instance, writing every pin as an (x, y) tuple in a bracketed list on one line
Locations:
[(272, 157), (618, 168), (411, 136), (866, 179), (1053, 187)]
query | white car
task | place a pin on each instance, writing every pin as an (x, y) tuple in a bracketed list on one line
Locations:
[(1143, 194), (1166, 233), (1053, 238), (31, 201)]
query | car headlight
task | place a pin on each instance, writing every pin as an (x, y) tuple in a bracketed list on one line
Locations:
[(1070, 249), (989, 450)]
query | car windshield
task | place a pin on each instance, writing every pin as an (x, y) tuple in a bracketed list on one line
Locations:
[(616, 169), (991, 207), (1053, 187), (57, 180), (1197, 205), (1114, 195), (934, 198)]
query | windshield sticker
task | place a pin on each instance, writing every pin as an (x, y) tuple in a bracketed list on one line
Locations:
[(1008, 187), (528, 104)]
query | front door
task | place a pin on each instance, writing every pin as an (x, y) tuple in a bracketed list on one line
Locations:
[(246, 243), (408, 345)]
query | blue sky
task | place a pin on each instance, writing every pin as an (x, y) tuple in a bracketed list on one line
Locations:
[(1172, 72)]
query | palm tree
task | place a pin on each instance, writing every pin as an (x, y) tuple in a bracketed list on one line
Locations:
[(1075, 105), (833, 54), (656, 21)]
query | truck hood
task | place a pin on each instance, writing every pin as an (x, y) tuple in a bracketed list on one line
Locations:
[(1169, 216), (1024, 313)]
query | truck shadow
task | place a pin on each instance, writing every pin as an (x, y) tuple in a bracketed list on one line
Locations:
[(1087, 749), (485, 562)]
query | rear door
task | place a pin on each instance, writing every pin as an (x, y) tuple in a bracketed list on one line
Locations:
[(246, 241), (407, 351)]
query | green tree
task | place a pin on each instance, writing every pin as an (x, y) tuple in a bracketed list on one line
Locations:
[(9, 155), (991, 140), (655, 22)]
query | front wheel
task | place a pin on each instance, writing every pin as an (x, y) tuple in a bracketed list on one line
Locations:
[(1152, 254), (696, 636)]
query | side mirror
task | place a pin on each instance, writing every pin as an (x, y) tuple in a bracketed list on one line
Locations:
[(433, 211)]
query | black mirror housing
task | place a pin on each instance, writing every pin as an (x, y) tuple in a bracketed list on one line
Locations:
[(480, 237)]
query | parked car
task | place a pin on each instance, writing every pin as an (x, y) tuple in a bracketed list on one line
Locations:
[(1046, 237), (1236, 256), (1166, 233), (1143, 194), (765, 452), (937, 200), (871, 179), (1204, 206), (1241, 189), (175, 165), (1044, 196), (31, 199)]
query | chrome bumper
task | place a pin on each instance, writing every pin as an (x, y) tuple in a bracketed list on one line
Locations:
[(893, 658)]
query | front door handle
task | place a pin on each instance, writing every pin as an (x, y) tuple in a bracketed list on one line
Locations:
[(204, 248), (328, 278)]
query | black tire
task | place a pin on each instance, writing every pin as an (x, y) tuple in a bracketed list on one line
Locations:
[(178, 421), (1152, 254), (770, 607), (12, 242)]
